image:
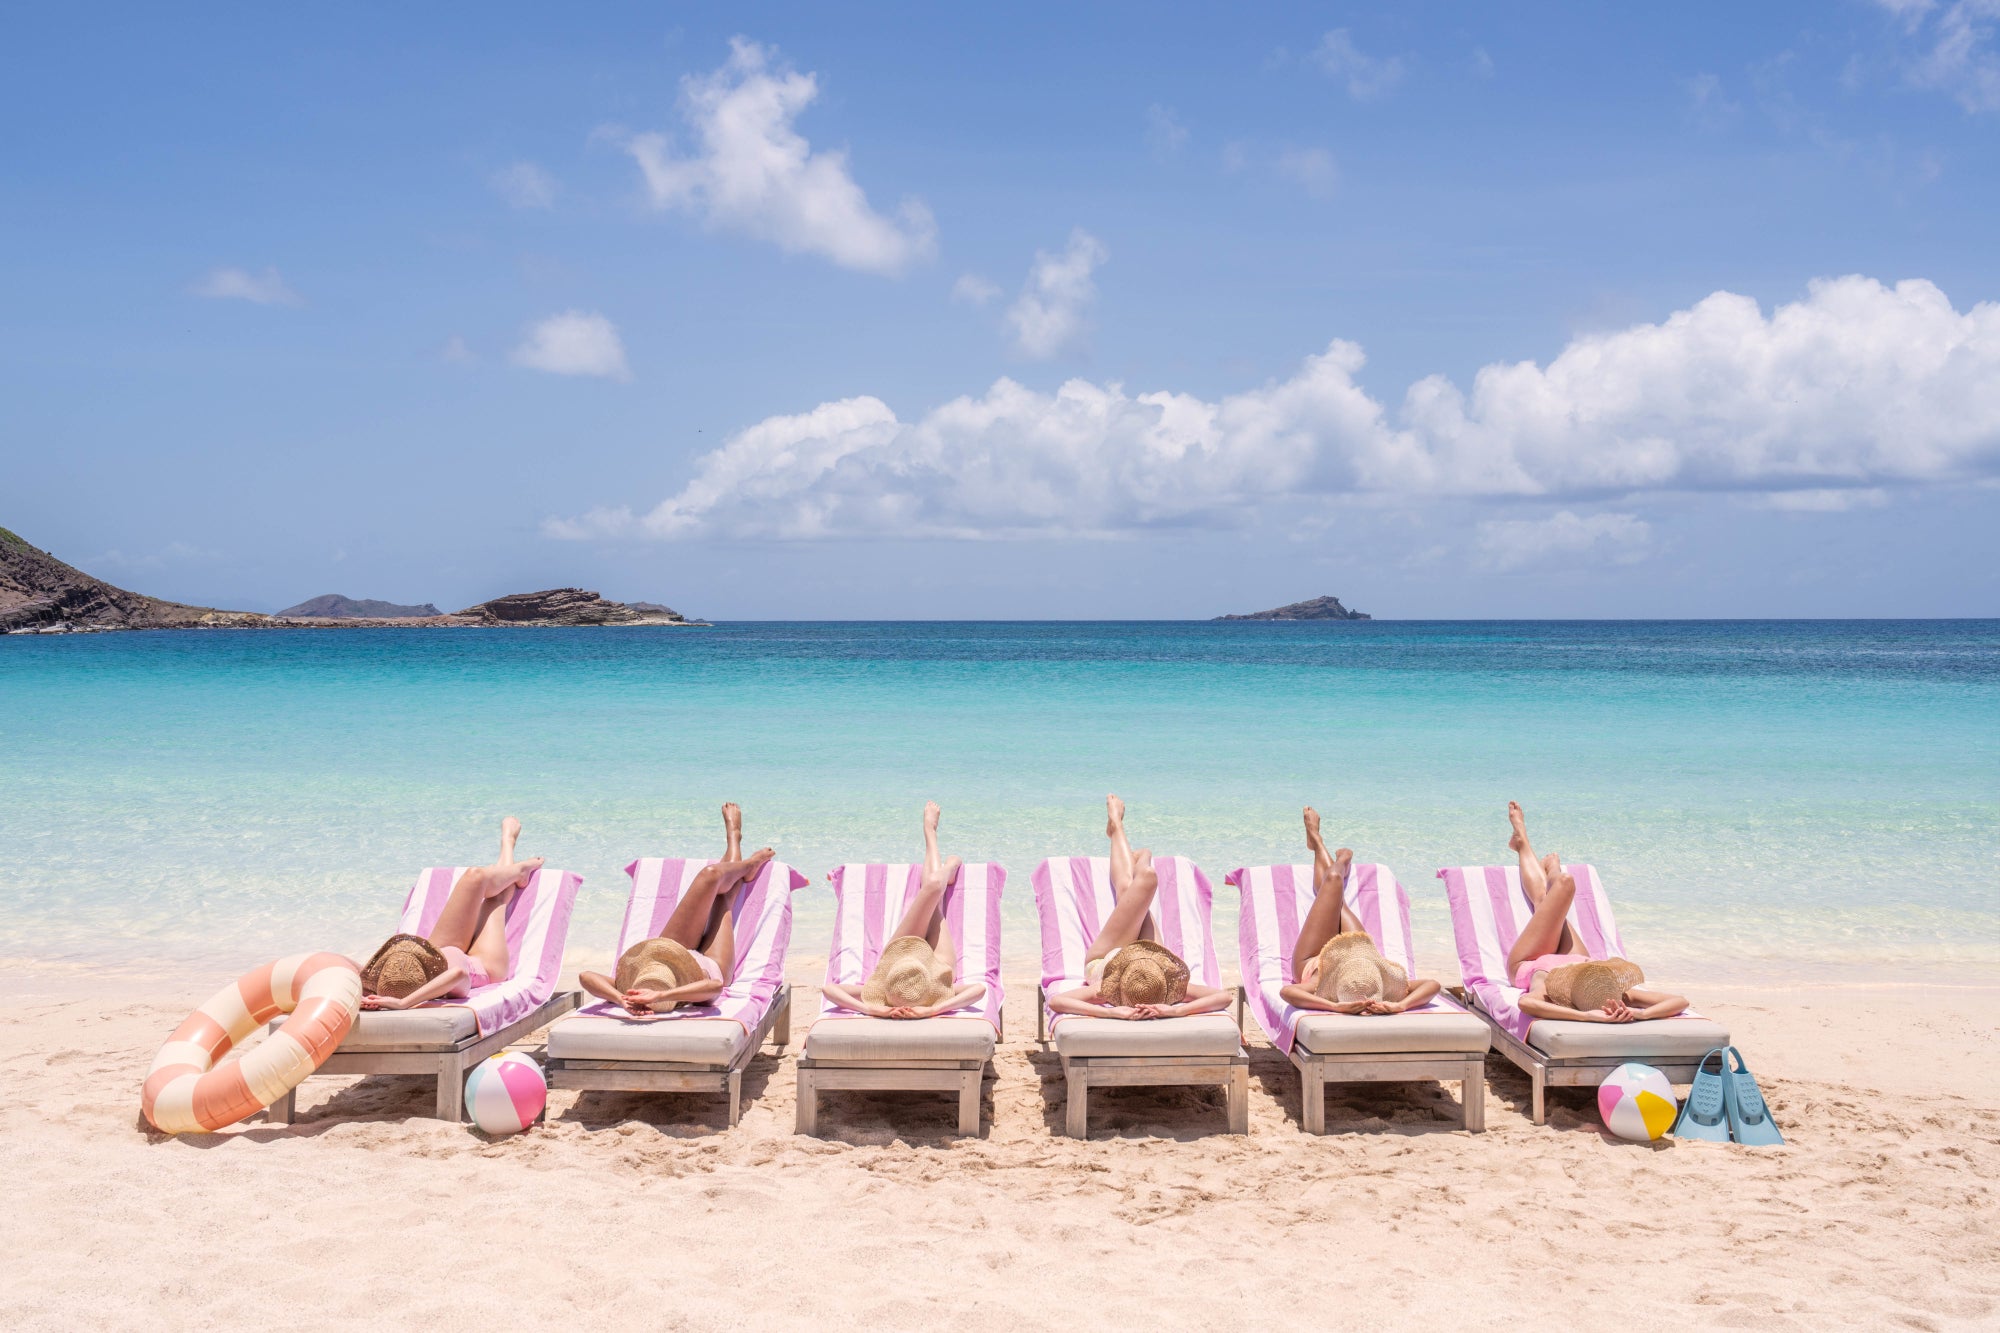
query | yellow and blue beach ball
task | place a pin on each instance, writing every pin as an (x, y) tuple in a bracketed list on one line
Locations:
[(1637, 1103), (506, 1094)]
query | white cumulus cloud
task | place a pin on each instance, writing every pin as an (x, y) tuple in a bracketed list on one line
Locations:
[(1856, 386), (1957, 54), (1311, 169), (751, 171), (574, 342), (1366, 76), (971, 289), (1520, 543), (525, 185), (1049, 314), (237, 284)]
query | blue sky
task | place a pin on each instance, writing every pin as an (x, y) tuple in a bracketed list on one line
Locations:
[(1141, 310)]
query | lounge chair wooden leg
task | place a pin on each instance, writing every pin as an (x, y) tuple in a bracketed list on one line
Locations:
[(735, 1097), (451, 1090), (781, 1033), (1239, 1099), (1472, 1096), (1312, 1113), (808, 1098), (968, 1101), (1535, 1076), (281, 1111), (1076, 1119)]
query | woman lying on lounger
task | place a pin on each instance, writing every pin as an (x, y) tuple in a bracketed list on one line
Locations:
[(1129, 974), (467, 947), (913, 978), (1561, 980), (1336, 967), (693, 958)]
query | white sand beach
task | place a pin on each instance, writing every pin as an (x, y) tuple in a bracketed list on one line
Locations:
[(1879, 1212)]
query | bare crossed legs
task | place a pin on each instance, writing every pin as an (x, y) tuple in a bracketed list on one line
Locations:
[(471, 931), (1133, 884), (703, 921), (923, 917), (1329, 914), (1550, 889)]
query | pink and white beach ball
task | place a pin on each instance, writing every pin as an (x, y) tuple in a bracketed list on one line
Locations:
[(506, 1094), (1637, 1103)]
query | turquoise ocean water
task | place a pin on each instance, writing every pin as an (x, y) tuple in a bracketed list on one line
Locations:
[(1785, 799)]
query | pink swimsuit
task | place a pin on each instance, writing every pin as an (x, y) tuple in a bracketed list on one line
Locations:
[(708, 965), (1524, 975), (475, 972)]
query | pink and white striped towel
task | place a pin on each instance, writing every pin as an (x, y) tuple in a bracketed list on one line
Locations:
[(1073, 897), (868, 902), (1488, 909), (1275, 902), (537, 926), (763, 932)]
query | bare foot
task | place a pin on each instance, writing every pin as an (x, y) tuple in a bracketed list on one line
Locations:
[(526, 871), (732, 828), (931, 813), (1520, 823), (510, 829), (1115, 808), (1312, 831)]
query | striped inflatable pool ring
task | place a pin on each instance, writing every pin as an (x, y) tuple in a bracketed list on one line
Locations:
[(186, 1094)]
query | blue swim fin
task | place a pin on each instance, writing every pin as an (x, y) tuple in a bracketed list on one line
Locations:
[(1749, 1119), (1705, 1113)]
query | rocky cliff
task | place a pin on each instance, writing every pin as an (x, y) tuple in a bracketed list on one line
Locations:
[(1319, 608), (38, 591)]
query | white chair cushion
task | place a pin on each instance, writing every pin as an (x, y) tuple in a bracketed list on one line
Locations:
[(1383, 1034), (1203, 1034), (701, 1041), (1682, 1038), (404, 1029), (891, 1039)]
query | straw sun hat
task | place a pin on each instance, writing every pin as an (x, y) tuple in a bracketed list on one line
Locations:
[(656, 964), (909, 972), (1352, 969), (402, 966), (1588, 987), (1143, 972)]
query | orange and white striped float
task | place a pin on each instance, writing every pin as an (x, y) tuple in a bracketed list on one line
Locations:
[(186, 1094)]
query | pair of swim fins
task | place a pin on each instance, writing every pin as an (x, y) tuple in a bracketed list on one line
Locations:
[(1726, 1104)]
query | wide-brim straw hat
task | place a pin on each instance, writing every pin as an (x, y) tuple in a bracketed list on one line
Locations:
[(1143, 972), (1351, 968), (656, 964), (403, 965), (909, 972), (1588, 987)]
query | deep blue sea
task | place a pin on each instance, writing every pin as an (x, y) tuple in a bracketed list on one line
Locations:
[(1783, 799)]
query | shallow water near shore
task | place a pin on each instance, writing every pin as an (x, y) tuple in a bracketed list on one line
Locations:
[(1764, 799)]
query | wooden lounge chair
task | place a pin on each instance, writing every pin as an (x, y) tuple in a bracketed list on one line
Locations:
[(950, 1053), (701, 1048), (446, 1038), (1073, 894), (1439, 1041)]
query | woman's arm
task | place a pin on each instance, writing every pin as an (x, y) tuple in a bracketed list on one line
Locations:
[(1655, 1003), (1421, 993), (1301, 998), (1200, 1000), (603, 987), (970, 993), (852, 1001), (430, 990), (1085, 1002)]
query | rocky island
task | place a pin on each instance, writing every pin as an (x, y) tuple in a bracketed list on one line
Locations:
[(333, 606), (1319, 608), (41, 594)]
